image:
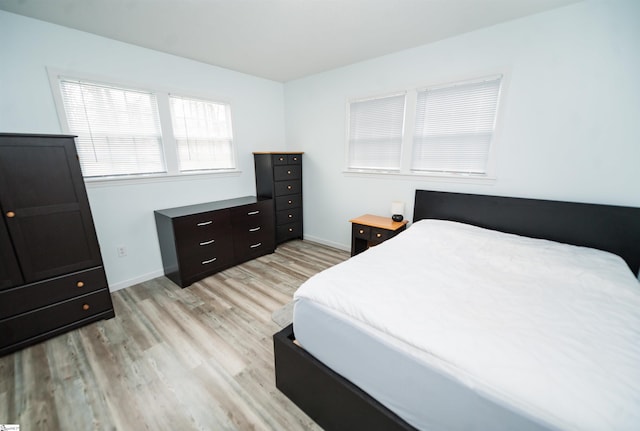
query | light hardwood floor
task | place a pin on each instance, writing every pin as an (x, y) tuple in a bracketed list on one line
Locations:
[(199, 358)]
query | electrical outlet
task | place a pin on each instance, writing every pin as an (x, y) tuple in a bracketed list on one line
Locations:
[(122, 250)]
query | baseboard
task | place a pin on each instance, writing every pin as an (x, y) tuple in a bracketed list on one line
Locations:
[(327, 243), (151, 275), (139, 279)]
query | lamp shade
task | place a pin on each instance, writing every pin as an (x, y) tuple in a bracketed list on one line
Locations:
[(397, 208)]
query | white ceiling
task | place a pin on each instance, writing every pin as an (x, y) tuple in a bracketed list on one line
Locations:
[(279, 40)]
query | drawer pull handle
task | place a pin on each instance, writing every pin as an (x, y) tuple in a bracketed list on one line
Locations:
[(290, 229), (204, 262), (288, 172), (253, 212), (255, 245), (205, 223), (290, 215), (295, 159), (361, 231), (290, 201), (281, 159), (85, 307), (80, 284), (211, 241), (11, 214), (255, 229), (378, 235), (288, 187)]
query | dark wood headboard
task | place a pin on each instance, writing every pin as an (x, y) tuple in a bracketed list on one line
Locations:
[(615, 229)]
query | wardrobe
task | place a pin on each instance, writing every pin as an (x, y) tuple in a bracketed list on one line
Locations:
[(52, 278)]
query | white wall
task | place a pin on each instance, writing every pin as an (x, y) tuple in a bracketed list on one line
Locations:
[(569, 131), (570, 122), (123, 214)]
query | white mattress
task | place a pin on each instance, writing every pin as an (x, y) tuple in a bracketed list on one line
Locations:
[(551, 330)]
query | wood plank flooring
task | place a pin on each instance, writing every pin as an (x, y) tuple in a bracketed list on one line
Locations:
[(199, 358)]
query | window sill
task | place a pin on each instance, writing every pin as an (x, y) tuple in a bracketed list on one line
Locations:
[(439, 177), (158, 178)]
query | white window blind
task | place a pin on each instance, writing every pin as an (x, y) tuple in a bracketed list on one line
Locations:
[(203, 134), (118, 129), (375, 133), (454, 127)]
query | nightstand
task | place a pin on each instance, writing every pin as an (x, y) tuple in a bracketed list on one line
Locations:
[(369, 230)]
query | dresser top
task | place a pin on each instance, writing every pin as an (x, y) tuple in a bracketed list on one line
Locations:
[(379, 222), (278, 152), (208, 206)]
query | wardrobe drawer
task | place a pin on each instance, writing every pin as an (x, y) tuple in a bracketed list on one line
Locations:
[(289, 231), (288, 187), (288, 216), (49, 318), (287, 172), (289, 201), (31, 296)]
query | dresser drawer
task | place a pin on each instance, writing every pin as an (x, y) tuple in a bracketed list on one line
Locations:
[(379, 235), (370, 233), (287, 172), (205, 261), (288, 216), (252, 234), (361, 231), (203, 222), (253, 215), (287, 202), (293, 187), (289, 231), (280, 159), (191, 231), (36, 322), (255, 244), (294, 159), (31, 296)]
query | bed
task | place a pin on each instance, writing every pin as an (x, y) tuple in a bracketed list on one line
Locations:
[(478, 372)]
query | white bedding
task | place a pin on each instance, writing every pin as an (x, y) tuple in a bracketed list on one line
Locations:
[(551, 329)]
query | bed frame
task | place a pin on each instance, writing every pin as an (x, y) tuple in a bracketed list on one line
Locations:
[(336, 404)]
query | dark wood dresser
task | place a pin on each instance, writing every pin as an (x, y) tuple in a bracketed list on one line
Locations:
[(279, 176), (199, 240), (51, 275)]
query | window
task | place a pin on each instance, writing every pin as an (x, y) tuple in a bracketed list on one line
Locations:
[(375, 133), (454, 127), (203, 134), (124, 132), (118, 129), (445, 130)]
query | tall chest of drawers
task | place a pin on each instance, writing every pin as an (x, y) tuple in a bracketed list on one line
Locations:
[(199, 240), (51, 275), (279, 176)]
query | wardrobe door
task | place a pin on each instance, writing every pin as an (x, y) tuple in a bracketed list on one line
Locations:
[(9, 271), (45, 206)]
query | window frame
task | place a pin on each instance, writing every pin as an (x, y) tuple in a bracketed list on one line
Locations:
[(402, 133), (168, 141), (231, 140), (406, 172)]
